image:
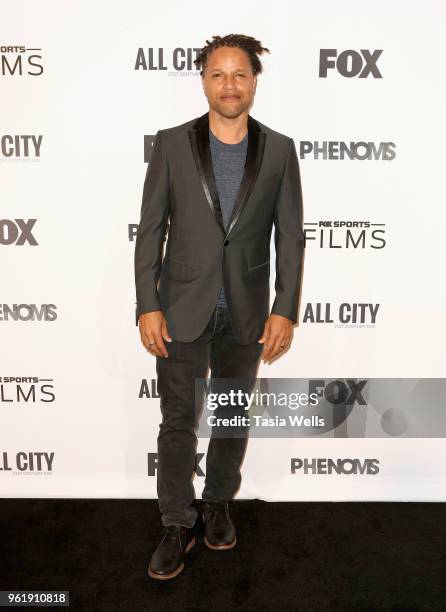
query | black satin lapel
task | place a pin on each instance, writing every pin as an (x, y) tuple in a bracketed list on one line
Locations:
[(204, 148), (254, 157), (199, 138), (201, 149)]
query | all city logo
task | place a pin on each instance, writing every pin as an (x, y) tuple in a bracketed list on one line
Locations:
[(345, 314), (20, 146), (176, 60), (33, 462)]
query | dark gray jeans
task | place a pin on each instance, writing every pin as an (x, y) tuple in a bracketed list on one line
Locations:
[(218, 349)]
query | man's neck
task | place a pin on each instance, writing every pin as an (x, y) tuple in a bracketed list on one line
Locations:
[(228, 130)]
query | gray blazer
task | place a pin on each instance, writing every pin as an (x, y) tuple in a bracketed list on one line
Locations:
[(180, 201)]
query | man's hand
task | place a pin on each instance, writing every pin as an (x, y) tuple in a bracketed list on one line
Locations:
[(153, 328), (276, 336)]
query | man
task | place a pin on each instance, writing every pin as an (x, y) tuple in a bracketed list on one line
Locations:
[(219, 183)]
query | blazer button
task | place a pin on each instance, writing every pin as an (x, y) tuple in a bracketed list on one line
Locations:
[(226, 242)]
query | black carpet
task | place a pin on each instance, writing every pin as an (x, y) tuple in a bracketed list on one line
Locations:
[(289, 556)]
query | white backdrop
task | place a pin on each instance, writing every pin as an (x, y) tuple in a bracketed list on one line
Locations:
[(73, 340)]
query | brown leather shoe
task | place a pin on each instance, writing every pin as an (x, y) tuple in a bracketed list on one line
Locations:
[(167, 561), (219, 529)]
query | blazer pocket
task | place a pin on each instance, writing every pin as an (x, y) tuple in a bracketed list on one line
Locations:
[(260, 271), (179, 271)]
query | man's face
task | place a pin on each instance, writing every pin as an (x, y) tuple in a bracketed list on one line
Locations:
[(228, 82)]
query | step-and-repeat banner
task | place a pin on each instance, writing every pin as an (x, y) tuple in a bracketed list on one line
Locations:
[(85, 86)]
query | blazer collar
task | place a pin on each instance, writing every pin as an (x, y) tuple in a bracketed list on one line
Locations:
[(199, 139)]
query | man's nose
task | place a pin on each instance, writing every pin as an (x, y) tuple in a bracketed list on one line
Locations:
[(228, 82)]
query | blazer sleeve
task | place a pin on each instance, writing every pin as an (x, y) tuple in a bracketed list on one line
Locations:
[(155, 209), (289, 239)]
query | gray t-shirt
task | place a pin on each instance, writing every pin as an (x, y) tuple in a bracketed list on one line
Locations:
[(228, 161)]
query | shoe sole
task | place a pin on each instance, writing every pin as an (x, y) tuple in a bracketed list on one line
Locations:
[(220, 546), (177, 571)]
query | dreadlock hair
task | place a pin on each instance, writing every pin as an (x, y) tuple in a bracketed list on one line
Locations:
[(248, 44)]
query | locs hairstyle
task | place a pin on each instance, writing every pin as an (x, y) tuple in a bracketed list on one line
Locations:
[(248, 44)]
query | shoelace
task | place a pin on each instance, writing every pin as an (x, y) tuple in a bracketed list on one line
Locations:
[(171, 532), (214, 509)]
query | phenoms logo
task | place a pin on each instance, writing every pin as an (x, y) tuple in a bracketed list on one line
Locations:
[(19, 60), (327, 465), (28, 312), (360, 150)]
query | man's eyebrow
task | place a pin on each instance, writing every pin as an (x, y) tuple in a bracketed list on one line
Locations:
[(220, 70)]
